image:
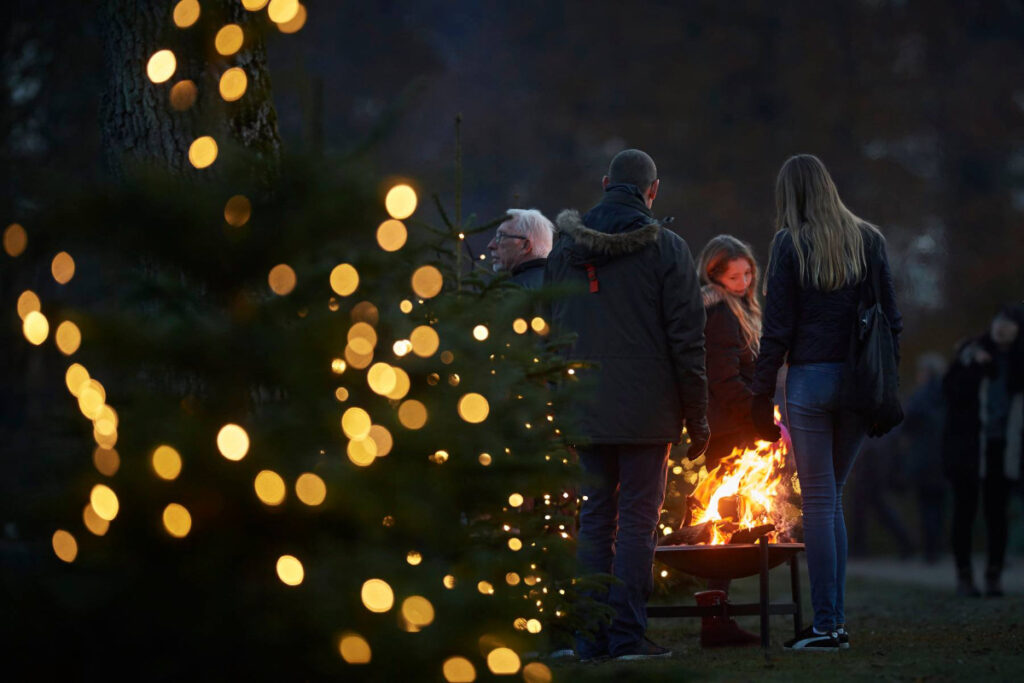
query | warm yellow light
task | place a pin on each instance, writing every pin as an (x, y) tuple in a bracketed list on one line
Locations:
[(448, 581), (402, 384), (229, 39), (232, 442), (344, 279), (391, 235), (254, 5), (425, 341), (427, 282), (377, 596), (382, 438), (202, 152), (412, 414), (473, 408), (539, 325), (515, 500), (15, 239), (484, 459), (68, 337), (413, 557), (237, 211), (296, 23), (166, 462), (105, 440), (183, 95), (36, 327), (362, 452), (439, 457), (28, 302), (362, 332), (534, 626), (64, 545), (458, 670), (106, 460), (233, 83), (186, 13), (105, 422), (341, 393), (503, 661), (537, 672), (338, 366), (418, 611), (519, 326), (355, 422), (290, 570), (310, 489), (104, 502), (270, 488), (405, 306), (358, 360), (75, 377), (400, 201), (63, 267), (177, 520), (281, 279), (515, 545), (91, 397), (93, 522), (354, 649), (161, 66), (485, 587), (282, 11), (512, 579), (480, 332)]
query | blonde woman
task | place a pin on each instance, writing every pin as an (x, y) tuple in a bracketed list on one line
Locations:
[(820, 256)]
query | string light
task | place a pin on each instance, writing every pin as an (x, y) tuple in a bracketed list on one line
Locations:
[(15, 240), (161, 66), (354, 649)]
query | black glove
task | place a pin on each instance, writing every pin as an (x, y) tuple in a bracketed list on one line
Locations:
[(699, 434), (762, 414)]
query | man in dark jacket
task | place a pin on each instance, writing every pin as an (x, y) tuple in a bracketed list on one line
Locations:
[(521, 246), (640, 322)]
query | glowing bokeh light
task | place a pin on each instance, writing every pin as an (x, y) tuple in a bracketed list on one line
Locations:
[(515, 545), (282, 11), (382, 438), (68, 337), (64, 545), (229, 39), (202, 152), (502, 661), (232, 442), (425, 341), (237, 211), (382, 378), (362, 452), (391, 235), (512, 579), (458, 670), (15, 239), (91, 397), (537, 672), (166, 462), (233, 84), (344, 279), (484, 459), (105, 422), (412, 414), (355, 422), (183, 95), (338, 366), (427, 282), (106, 461), (36, 327), (177, 520), (377, 596), (104, 502), (413, 557), (480, 332), (254, 5), (341, 393), (539, 325), (354, 649), (405, 306), (161, 66), (402, 384), (75, 377), (473, 408), (290, 570), (186, 13), (485, 588), (362, 337), (519, 326), (448, 581), (400, 201), (534, 626), (93, 522), (62, 267), (418, 611), (270, 487), (28, 301), (310, 489), (515, 500), (296, 23), (281, 279)]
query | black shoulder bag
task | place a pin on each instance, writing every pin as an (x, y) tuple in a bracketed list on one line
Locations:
[(873, 377)]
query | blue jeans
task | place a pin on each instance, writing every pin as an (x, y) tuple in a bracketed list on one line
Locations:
[(826, 439), (622, 498)]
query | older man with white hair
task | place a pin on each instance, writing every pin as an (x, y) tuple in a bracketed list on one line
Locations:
[(521, 246)]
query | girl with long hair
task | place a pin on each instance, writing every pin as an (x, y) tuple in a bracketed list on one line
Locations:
[(820, 256)]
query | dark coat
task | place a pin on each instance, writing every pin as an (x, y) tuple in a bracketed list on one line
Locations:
[(806, 325), (529, 274), (730, 370), (965, 386), (638, 317)]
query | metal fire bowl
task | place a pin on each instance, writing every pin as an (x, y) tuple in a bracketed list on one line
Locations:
[(724, 561)]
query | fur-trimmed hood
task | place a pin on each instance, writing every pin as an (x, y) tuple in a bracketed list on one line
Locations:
[(602, 244), (712, 294)]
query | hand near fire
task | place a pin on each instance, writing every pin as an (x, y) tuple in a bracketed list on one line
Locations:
[(762, 414), (699, 434)]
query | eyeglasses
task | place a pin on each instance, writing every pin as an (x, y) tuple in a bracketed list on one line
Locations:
[(499, 236)]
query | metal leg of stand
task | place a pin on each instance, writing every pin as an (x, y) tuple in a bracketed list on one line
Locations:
[(764, 592), (794, 582)]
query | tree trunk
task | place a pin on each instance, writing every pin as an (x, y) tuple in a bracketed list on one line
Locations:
[(139, 124)]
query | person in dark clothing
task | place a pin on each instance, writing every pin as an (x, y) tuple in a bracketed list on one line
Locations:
[(880, 472), (984, 389), (521, 245), (820, 255), (639, 322), (728, 272)]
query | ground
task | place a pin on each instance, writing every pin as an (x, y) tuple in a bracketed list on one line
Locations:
[(905, 625)]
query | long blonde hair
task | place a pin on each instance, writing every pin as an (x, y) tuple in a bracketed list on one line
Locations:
[(714, 260), (828, 237)]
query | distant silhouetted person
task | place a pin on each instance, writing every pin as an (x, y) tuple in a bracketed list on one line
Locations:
[(984, 390), (521, 246)]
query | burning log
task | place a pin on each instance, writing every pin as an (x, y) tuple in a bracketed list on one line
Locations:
[(688, 535), (751, 535), (729, 507)]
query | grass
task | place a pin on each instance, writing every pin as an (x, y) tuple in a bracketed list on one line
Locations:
[(898, 632)]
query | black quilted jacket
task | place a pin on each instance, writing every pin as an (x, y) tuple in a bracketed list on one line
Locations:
[(806, 325)]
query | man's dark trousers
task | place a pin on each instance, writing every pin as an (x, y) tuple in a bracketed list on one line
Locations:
[(623, 492)]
